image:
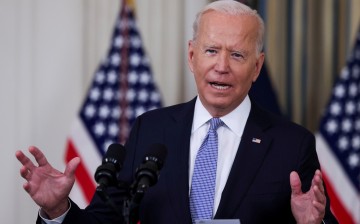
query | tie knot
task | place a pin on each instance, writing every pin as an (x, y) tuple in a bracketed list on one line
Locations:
[(215, 123)]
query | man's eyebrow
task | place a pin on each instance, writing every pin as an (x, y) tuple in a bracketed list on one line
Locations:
[(211, 46), (241, 51)]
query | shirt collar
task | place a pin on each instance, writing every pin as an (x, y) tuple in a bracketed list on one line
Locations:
[(235, 120)]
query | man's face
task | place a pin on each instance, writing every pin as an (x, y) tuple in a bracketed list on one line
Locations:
[(224, 61)]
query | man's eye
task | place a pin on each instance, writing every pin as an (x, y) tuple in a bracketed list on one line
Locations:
[(237, 55), (210, 51)]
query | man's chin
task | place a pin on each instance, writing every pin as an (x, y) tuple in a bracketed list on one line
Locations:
[(220, 107)]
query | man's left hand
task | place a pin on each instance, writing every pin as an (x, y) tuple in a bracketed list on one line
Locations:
[(309, 207)]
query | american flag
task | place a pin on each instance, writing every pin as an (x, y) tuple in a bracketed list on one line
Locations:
[(122, 89), (338, 142)]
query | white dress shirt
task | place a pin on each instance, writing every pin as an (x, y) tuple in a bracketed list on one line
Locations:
[(229, 137), (57, 220)]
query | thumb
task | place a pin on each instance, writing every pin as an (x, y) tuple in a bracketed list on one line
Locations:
[(72, 166), (295, 184)]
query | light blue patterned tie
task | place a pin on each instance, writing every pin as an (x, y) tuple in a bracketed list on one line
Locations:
[(204, 176)]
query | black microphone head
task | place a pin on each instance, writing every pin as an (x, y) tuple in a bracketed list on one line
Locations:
[(111, 164), (147, 174), (157, 153), (115, 155)]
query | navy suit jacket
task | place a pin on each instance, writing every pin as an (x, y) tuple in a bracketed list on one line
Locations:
[(257, 189)]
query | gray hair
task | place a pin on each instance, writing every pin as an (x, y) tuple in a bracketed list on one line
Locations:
[(232, 7)]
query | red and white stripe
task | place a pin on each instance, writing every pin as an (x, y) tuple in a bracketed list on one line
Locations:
[(80, 144), (345, 200)]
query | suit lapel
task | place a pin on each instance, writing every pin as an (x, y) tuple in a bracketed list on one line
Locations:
[(248, 160), (178, 137)]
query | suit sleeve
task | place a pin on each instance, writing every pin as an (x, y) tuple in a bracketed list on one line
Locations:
[(96, 213)]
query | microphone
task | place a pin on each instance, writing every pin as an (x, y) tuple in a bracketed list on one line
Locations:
[(105, 174), (147, 174)]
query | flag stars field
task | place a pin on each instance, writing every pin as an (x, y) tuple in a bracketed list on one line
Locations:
[(346, 125), (118, 42), (335, 109), (343, 143), (99, 129), (108, 94), (115, 59), (100, 77), (90, 111), (143, 95), (345, 73), (133, 78), (130, 95), (354, 160), (145, 78), (115, 112), (135, 60), (155, 97), (112, 77), (135, 42), (113, 129), (104, 112), (353, 89), (356, 142), (145, 61), (350, 108), (357, 124), (339, 91), (94, 94), (331, 126), (139, 110)]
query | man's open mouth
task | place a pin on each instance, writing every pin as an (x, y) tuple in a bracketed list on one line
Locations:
[(220, 86)]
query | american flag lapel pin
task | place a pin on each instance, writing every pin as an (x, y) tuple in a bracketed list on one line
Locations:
[(256, 140)]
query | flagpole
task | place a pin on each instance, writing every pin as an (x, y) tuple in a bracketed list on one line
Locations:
[(123, 71)]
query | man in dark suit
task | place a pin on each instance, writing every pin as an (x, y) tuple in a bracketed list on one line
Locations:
[(267, 168)]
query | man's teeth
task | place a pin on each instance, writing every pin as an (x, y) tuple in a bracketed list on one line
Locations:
[(219, 86)]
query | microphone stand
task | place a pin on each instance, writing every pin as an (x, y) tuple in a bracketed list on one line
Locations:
[(124, 190), (130, 209), (132, 204)]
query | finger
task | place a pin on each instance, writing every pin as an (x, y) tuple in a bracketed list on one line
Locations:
[(39, 156), (295, 183), (320, 209), (317, 175), (24, 160), (319, 195), (71, 167), (318, 181), (27, 187), (318, 172), (25, 173)]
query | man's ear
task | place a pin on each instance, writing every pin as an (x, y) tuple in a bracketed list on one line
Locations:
[(258, 65), (190, 54)]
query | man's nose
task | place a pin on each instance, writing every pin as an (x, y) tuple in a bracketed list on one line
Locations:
[(222, 63)]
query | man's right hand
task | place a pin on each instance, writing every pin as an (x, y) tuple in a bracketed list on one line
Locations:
[(48, 187)]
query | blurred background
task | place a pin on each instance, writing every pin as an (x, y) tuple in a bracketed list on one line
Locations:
[(50, 50)]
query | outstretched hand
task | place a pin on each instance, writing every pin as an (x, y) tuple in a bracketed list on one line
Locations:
[(308, 207), (48, 187)]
